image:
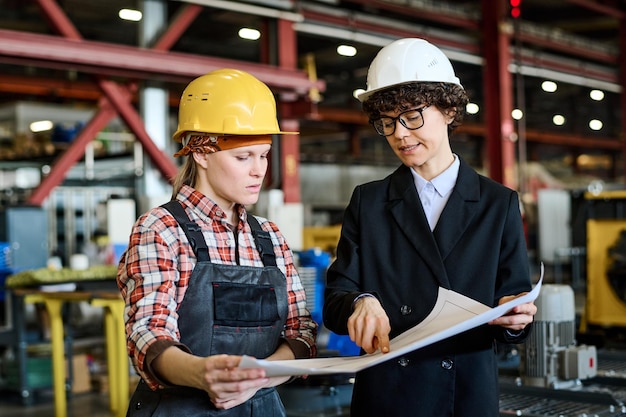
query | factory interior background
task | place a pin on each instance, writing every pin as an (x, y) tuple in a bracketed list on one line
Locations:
[(89, 92)]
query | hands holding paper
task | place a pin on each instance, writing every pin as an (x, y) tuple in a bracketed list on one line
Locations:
[(518, 317), (368, 326)]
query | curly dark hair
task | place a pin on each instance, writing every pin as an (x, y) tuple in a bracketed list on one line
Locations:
[(447, 97)]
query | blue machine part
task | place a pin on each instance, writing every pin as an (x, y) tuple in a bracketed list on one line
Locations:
[(317, 261)]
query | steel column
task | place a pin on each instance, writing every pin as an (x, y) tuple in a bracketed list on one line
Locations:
[(290, 144), (622, 76), (497, 90)]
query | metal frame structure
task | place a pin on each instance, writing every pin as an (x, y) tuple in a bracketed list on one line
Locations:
[(108, 60)]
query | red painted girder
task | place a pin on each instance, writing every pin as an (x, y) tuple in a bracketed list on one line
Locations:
[(578, 51), (425, 14), (69, 158), (133, 62), (58, 19), (347, 22), (600, 8), (179, 24), (120, 100)]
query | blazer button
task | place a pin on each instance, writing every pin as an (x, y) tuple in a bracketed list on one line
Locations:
[(138, 406), (403, 362), (447, 364), (405, 310)]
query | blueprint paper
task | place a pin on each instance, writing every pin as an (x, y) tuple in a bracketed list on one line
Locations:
[(453, 314)]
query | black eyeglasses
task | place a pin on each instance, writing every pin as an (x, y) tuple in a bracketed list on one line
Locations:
[(411, 119)]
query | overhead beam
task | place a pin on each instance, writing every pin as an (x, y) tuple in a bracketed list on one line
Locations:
[(69, 158), (137, 63)]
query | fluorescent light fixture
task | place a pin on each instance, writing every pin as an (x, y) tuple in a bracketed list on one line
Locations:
[(130, 14), (548, 86), (249, 34), (41, 126), (517, 114), (472, 108), (595, 124), (558, 119), (346, 50), (597, 95)]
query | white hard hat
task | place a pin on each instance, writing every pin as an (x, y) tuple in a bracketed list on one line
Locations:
[(406, 61)]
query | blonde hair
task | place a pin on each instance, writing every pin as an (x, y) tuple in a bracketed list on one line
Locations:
[(187, 175)]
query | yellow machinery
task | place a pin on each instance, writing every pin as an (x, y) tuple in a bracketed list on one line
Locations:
[(605, 305), (325, 238)]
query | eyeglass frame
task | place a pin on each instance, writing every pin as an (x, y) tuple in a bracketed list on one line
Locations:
[(402, 122)]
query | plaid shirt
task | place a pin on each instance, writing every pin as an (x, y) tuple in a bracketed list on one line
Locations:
[(154, 273)]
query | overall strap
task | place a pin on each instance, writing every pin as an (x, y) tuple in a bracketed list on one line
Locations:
[(263, 242), (198, 244), (191, 229)]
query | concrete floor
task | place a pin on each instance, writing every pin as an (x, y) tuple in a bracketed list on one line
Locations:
[(79, 405), (324, 404)]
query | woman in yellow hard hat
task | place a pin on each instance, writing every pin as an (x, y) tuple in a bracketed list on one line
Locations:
[(206, 282), (434, 222)]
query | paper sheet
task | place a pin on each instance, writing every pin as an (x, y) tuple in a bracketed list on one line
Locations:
[(453, 314)]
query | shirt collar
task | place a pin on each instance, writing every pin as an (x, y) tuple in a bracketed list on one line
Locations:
[(204, 207), (442, 183)]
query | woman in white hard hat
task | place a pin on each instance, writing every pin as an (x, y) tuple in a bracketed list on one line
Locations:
[(204, 280), (432, 223)]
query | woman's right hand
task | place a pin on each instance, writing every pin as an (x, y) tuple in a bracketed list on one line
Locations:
[(368, 326), (228, 385), (218, 375)]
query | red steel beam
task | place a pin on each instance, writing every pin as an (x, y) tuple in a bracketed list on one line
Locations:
[(497, 90), (600, 8), (289, 144), (69, 158), (58, 19), (474, 48), (133, 62), (347, 22), (568, 48), (185, 15), (622, 66), (425, 14), (49, 87), (119, 98)]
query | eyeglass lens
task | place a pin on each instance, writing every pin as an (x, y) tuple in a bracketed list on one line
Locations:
[(410, 119)]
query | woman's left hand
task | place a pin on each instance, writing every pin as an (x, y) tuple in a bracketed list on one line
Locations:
[(519, 317)]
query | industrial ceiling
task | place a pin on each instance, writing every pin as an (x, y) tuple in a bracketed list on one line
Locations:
[(574, 42)]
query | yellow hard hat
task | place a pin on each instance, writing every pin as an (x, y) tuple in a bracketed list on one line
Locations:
[(227, 102)]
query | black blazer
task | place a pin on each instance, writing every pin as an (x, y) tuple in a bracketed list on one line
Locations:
[(386, 248)]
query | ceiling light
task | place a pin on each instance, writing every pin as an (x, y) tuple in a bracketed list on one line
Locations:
[(548, 86), (249, 34), (346, 50), (597, 95), (558, 119), (472, 108), (595, 124), (130, 14), (517, 114), (41, 126)]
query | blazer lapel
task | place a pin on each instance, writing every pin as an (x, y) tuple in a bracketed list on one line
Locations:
[(407, 211), (459, 210)]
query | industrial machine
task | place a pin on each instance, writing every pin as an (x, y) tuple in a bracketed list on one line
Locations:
[(605, 306), (551, 358)]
